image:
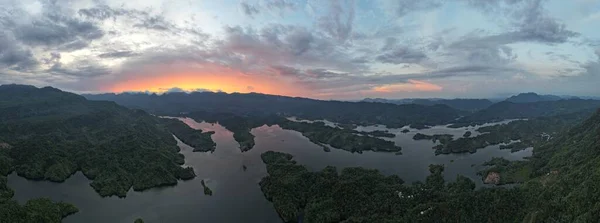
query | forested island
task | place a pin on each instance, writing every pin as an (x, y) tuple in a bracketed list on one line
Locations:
[(363, 195), (516, 135), (35, 210), (443, 138), (317, 132), (558, 184), (200, 141), (48, 134)]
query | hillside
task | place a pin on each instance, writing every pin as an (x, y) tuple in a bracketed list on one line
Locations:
[(360, 113), (48, 134), (459, 104), (532, 97), (560, 184), (509, 110)]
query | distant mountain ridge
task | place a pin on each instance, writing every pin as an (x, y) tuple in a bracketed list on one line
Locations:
[(458, 103), (510, 110), (532, 97), (353, 113)]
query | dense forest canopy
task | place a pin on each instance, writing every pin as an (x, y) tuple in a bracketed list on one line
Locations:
[(49, 135), (510, 110), (559, 184)]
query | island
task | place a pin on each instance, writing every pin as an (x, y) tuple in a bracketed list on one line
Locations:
[(35, 210), (200, 141), (207, 190), (356, 194), (443, 138), (515, 135), (317, 132)]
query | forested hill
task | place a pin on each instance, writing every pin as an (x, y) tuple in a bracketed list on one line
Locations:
[(510, 110), (560, 184), (48, 134), (362, 113), (532, 97)]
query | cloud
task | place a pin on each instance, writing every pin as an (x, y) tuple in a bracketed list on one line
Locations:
[(117, 54), (402, 8), (80, 68), (249, 10), (13, 56), (339, 21), (409, 86), (402, 54), (55, 28), (329, 48)]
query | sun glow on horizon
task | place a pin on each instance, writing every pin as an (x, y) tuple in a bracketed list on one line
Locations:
[(194, 81)]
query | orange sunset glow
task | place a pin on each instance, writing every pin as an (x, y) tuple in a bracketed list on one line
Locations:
[(190, 81)]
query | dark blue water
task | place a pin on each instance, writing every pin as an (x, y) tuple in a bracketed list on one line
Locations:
[(236, 194)]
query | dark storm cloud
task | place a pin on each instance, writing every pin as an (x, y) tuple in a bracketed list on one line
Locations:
[(53, 29), (14, 56)]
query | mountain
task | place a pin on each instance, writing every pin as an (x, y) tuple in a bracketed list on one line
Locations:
[(532, 97), (359, 113), (510, 110), (459, 104), (559, 183), (48, 134)]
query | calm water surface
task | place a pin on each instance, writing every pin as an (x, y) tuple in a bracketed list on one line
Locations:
[(236, 194)]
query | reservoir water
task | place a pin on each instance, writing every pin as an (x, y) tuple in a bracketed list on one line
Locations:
[(236, 194)]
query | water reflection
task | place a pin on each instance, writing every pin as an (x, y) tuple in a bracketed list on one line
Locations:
[(236, 194)]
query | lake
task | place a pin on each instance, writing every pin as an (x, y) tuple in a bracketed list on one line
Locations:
[(236, 194)]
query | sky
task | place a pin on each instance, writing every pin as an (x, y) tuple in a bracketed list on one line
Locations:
[(326, 49)]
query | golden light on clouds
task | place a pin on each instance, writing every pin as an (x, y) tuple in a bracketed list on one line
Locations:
[(209, 77), (410, 86)]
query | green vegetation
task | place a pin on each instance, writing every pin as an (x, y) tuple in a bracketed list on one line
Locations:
[(316, 132), (349, 140), (511, 172), (418, 126), (52, 134), (35, 210), (405, 130), (467, 134), (139, 220), (460, 104), (363, 195), (207, 190), (200, 141), (239, 125), (515, 146), (443, 138), (380, 133), (509, 110), (559, 183), (530, 132), (253, 104)]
